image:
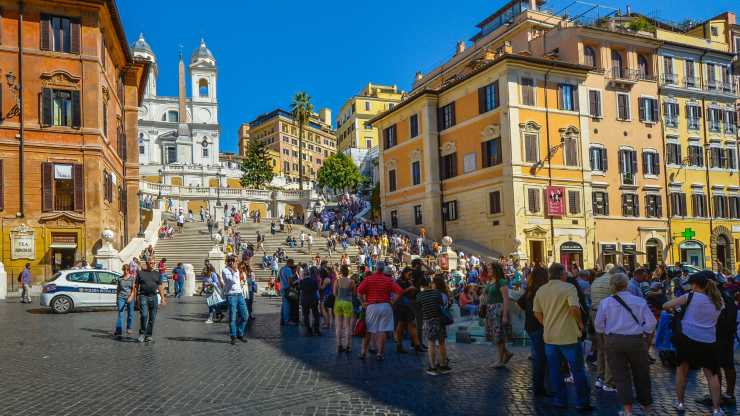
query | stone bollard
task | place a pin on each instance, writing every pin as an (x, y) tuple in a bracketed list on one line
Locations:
[(3, 282), (189, 288)]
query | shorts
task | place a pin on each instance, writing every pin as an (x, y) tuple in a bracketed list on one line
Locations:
[(403, 313), (698, 354), (379, 318), (725, 353), (329, 302), (434, 330), (343, 309)]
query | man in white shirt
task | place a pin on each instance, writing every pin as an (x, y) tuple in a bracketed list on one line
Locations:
[(235, 297), (302, 237), (310, 243)]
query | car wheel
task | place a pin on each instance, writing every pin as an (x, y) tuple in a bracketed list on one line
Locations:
[(62, 304)]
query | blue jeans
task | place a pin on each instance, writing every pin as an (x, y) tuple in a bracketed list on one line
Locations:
[(148, 314), (238, 315), (178, 286), (470, 309), (284, 308), (573, 354), (539, 361), (124, 308)]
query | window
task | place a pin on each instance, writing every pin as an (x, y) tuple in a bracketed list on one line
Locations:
[(730, 158), (673, 153), (690, 74), (678, 204), (653, 206), (62, 187), (693, 115), (699, 205), (389, 137), (488, 97), (716, 157), (447, 116), (60, 108), (714, 117), (623, 106), (570, 150), (449, 210), (630, 205), (617, 67), (417, 215), (491, 151), (286, 167), (107, 187), (60, 34), (414, 125), (628, 166), (734, 207), (106, 278), (648, 109), (668, 75), (392, 180), (448, 166), (531, 147), (533, 200), (367, 105), (203, 87), (696, 155), (394, 219), (600, 202), (650, 163), (527, 91), (81, 277), (670, 114), (642, 67), (714, 31), (205, 151), (171, 116), (711, 76), (141, 144), (589, 57), (567, 97), (494, 202), (368, 143), (730, 124), (597, 157), (720, 206), (594, 103), (416, 173), (574, 202)]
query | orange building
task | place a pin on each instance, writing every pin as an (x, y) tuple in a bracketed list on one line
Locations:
[(66, 170)]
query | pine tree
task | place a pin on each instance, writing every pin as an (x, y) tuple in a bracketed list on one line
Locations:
[(256, 168)]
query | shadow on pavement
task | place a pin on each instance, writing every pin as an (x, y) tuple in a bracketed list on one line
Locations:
[(195, 339)]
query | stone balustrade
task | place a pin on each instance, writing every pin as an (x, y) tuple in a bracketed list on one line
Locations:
[(201, 192)]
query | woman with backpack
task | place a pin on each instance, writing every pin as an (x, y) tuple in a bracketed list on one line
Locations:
[(695, 335), (497, 312)]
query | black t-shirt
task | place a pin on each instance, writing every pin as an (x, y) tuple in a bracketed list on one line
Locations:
[(418, 277), (148, 282), (309, 291)]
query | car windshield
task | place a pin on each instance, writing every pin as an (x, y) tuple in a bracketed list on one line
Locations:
[(54, 277)]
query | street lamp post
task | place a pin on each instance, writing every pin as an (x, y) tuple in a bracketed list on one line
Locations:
[(161, 181), (218, 188), (141, 216)]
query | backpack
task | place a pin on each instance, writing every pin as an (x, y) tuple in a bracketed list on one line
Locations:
[(727, 321)]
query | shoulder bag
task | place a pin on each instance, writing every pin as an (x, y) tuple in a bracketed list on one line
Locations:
[(677, 337)]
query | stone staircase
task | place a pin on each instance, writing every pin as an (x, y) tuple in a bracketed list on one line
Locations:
[(190, 246)]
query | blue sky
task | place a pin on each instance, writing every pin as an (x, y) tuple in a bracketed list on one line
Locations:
[(268, 50)]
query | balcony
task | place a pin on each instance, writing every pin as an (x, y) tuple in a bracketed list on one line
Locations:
[(629, 178), (671, 122), (669, 80), (693, 123)]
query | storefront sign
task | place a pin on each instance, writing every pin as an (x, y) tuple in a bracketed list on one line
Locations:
[(555, 201), (23, 243), (62, 171), (571, 246)]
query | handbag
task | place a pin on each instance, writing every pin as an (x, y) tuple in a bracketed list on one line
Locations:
[(215, 298), (292, 294), (677, 336), (445, 316)]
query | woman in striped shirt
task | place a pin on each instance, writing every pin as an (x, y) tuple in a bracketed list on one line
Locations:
[(435, 332)]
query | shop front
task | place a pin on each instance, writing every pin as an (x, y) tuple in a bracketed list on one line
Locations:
[(571, 253), (692, 252), (63, 251)]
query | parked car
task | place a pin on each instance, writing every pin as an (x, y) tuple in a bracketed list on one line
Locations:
[(87, 288)]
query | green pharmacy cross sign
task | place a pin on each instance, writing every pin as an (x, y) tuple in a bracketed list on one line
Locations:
[(688, 234)]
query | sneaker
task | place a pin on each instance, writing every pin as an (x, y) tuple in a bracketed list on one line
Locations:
[(129, 331), (432, 371), (149, 340), (706, 401), (141, 338), (599, 383), (679, 406), (209, 321), (718, 412), (569, 379), (242, 339), (609, 389), (444, 369), (233, 340)]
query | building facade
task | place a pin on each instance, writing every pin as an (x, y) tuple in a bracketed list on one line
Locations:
[(353, 129), (279, 131), (67, 160)]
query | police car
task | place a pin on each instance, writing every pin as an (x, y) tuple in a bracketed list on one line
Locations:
[(70, 289)]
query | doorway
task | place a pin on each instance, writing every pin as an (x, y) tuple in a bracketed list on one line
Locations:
[(653, 253), (62, 259), (723, 252), (536, 251), (692, 252), (571, 253)]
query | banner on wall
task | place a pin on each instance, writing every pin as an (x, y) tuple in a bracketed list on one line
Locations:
[(555, 201)]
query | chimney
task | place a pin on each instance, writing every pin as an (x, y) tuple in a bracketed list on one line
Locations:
[(460, 47), (181, 91), (418, 76), (325, 115)]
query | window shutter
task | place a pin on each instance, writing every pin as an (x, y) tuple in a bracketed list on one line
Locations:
[(622, 160), (641, 106), (624, 205), (634, 162), (658, 206), (645, 162), (656, 164), (47, 187), (45, 24), (604, 160), (606, 203), (591, 158), (79, 188), (655, 109), (46, 107), (76, 115), (452, 110), (496, 101), (665, 110), (560, 97), (2, 187), (440, 119), (481, 100), (74, 33), (594, 204)]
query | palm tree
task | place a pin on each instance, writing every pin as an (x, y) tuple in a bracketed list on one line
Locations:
[(302, 110)]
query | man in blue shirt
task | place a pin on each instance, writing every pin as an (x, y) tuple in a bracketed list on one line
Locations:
[(635, 286), (286, 279), (179, 274)]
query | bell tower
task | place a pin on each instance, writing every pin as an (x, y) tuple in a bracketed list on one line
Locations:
[(203, 75)]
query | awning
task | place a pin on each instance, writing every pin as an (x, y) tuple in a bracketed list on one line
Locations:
[(63, 245), (631, 252), (611, 253)]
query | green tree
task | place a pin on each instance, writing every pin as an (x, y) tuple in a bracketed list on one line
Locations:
[(339, 173), (256, 167), (375, 202), (302, 109)]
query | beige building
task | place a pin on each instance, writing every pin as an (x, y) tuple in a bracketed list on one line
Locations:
[(353, 129)]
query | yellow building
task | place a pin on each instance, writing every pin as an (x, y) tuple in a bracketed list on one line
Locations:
[(279, 131), (353, 129), (272, 154)]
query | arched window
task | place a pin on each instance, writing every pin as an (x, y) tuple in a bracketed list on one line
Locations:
[(617, 69), (203, 87), (171, 116), (589, 57), (642, 66)]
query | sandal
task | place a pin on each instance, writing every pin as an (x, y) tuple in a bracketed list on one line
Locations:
[(379, 357), (362, 356)]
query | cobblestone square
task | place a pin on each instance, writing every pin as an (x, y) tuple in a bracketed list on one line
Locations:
[(70, 365)]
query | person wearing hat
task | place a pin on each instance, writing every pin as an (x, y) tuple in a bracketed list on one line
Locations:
[(696, 343), (375, 295), (238, 314)]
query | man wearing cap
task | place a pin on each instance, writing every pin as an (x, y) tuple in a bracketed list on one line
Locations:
[(375, 294)]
